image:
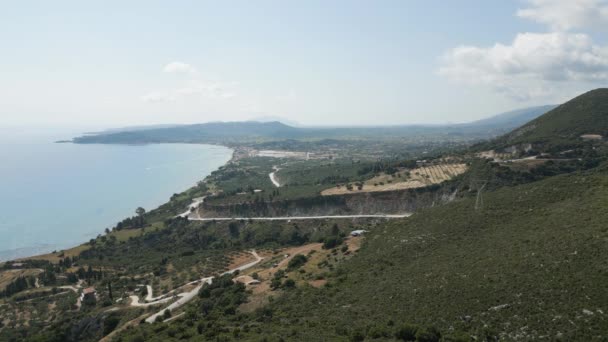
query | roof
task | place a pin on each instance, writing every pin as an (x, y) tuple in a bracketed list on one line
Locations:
[(88, 290)]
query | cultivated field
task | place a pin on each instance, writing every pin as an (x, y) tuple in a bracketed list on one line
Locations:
[(7, 276), (403, 179)]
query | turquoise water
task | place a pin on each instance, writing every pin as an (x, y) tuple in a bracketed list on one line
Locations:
[(54, 196)]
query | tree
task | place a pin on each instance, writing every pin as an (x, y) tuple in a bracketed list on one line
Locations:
[(297, 261), (110, 290), (140, 211), (139, 221), (167, 314), (331, 242), (233, 227), (335, 230)]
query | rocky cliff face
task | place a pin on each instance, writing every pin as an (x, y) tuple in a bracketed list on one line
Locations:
[(390, 202)]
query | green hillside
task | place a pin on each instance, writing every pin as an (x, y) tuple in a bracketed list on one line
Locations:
[(524, 260), (532, 262), (207, 132), (585, 114)]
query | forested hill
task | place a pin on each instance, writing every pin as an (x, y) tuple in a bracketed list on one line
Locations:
[(207, 132), (252, 131), (565, 125)]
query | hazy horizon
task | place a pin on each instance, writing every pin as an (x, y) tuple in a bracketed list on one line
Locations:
[(344, 63)]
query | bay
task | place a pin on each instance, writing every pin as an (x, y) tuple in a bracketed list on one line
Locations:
[(54, 196)]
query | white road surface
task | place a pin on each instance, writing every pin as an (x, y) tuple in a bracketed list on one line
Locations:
[(192, 208), (273, 177), (188, 296), (288, 218)]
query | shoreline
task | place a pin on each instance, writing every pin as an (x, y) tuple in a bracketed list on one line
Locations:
[(233, 153)]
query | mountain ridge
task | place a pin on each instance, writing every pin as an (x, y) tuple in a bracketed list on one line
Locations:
[(247, 131)]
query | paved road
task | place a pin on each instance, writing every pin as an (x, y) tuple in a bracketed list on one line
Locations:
[(188, 296), (287, 218), (135, 301)]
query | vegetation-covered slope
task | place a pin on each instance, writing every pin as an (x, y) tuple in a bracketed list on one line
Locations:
[(585, 114), (207, 132), (532, 262)]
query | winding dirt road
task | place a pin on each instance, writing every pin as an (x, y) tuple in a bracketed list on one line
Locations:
[(273, 177)]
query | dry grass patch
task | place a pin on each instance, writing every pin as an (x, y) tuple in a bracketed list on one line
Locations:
[(7, 276), (240, 258), (56, 256), (403, 179)]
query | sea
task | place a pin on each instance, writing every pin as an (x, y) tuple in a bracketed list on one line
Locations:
[(57, 195)]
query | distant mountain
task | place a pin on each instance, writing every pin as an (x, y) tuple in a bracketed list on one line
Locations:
[(565, 124), (136, 128), (207, 132), (514, 118), (258, 131), (276, 118)]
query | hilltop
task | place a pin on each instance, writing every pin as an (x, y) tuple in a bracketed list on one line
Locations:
[(564, 125)]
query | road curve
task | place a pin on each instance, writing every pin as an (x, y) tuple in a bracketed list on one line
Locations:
[(287, 218), (188, 296), (193, 206), (273, 177)]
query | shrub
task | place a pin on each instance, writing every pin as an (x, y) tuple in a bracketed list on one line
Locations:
[(297, 261), (430, 334), (275, 283), (378, 331), (331, 242), (457, 337), (110, 323), (406, 332), (167, 314), (289, 283)]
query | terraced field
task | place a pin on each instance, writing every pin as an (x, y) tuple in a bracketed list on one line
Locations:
[(403, 179)]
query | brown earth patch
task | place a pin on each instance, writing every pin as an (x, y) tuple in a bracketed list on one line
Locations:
[(317, 283)]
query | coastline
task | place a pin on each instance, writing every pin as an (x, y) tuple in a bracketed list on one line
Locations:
[(76, 249)]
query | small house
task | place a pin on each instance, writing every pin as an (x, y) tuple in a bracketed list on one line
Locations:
[(358, 232), (88, 294)]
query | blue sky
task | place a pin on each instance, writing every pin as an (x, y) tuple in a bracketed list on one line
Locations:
[(115, 63)]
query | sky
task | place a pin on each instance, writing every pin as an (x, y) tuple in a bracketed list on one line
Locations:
[(118, 63)]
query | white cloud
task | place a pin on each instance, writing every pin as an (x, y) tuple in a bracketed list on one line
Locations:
[(210, 90), (179, 67), (156, 97), (537, 65), (530, 65), (562, 15), (207, 89)]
